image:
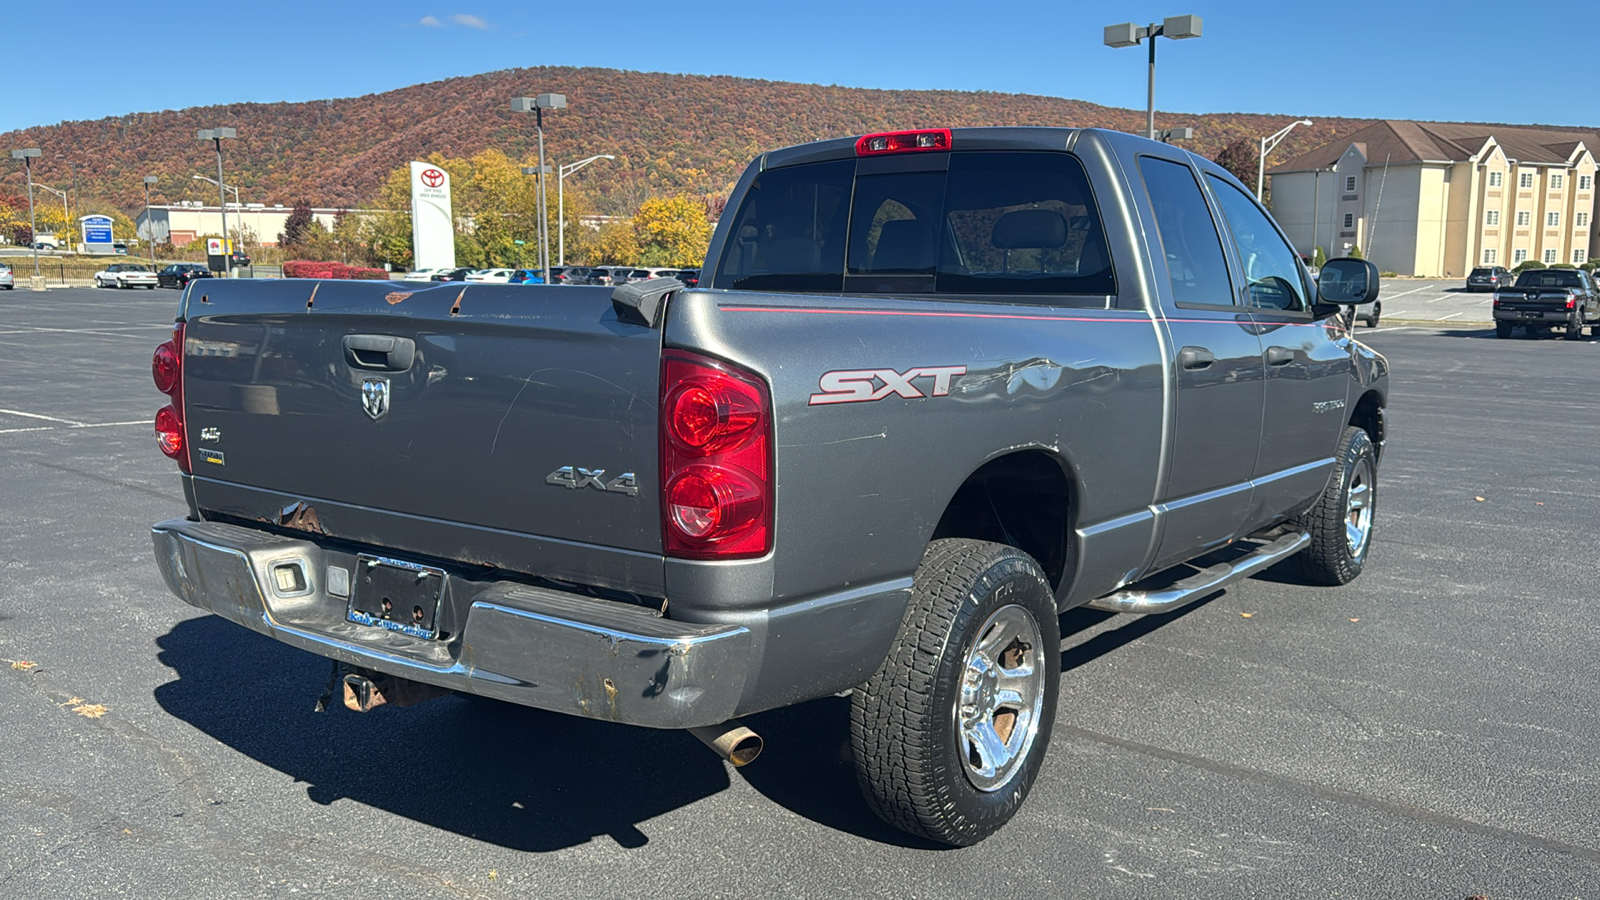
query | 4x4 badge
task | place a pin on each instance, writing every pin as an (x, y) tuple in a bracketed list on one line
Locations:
[(375, 397)]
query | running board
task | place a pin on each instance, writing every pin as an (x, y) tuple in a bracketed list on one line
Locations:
[(1203, 582)]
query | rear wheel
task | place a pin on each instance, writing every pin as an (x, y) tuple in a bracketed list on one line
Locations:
[(1575, 326), (951, 731), (1340, 524), (1371, 318), (1502, 329)]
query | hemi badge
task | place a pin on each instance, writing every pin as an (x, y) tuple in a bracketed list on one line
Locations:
[(211, 456)]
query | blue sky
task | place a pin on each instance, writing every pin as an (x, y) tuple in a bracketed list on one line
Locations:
[(1428, 60)]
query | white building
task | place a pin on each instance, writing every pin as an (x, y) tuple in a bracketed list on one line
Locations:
[(261, 224)]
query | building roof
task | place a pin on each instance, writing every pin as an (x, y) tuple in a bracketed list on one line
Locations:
[(1399, 141)]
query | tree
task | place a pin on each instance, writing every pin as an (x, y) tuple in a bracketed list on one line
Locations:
[(615, 242), (1355, 252), (295, 227), (1241, 158), (672, 231), (1319, 258)]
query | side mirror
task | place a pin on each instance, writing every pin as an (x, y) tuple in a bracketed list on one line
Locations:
[(1347, 282)]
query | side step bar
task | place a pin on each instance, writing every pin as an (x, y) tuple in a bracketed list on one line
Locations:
[(1203, 582)]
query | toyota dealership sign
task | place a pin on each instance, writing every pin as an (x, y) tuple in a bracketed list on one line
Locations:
[(433, 232)]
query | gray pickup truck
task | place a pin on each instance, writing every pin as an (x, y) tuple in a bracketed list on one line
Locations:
[(935, 388), (1546, 298)]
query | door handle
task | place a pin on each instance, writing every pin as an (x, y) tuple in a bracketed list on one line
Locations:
[(384, 352), (1279, 356), (1196, 358)]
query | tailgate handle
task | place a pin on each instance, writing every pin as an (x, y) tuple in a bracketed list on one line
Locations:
[(379, 351)]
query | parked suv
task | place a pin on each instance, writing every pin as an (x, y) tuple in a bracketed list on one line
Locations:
[(1489, 278)]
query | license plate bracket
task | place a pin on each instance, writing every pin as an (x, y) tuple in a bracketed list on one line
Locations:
[(397, 595)]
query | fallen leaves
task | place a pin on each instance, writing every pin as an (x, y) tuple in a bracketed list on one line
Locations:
[(90, 710), (1245, 615), (23, 665), (1355, 620), (1479, 499)]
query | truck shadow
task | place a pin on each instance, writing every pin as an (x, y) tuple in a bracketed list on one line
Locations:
[(521, 778), (518, 778)]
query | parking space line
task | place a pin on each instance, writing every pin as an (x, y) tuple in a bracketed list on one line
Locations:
[(19, 430), (1451, 316), (29, 415), (1403, 293), (145, 422)]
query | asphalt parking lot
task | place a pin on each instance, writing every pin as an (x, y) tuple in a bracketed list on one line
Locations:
[(1430, 730), (1445, 302)]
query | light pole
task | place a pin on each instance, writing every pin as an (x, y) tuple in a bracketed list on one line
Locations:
[(227, 187), (1129, 35), (1268, 144), (561, 202), (540, 172), (149, 226), (216, 136), (28, 156), (538, 105)]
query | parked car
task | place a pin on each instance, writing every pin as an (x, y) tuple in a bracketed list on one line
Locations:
[(179, 275), (1489, 278), (491, 276), (452, 274), (1545, 298), (1099, 430), (120, 247), (421, 274), (571, 275), (526, 276), (8, 281), (126, 275), (690, 277), (609, 276)]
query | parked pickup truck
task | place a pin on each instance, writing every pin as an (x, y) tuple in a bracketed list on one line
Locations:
[(1543, 298), (934, 389)]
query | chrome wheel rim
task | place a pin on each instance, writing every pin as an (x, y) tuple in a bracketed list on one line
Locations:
[(1358, 508), (1000, 699)]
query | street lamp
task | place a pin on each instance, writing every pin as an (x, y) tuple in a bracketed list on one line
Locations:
[(1268, 144), (65, 212), (1129, 35), (537, 105), (561, 202), (541, 172), (149, 226), (27, 156), (227, 187), (216, 136)]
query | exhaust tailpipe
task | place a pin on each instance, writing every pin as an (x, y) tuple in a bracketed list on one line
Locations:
[(365, 691), (731, 740)]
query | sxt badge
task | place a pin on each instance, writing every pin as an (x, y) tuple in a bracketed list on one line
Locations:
[(862, 385)]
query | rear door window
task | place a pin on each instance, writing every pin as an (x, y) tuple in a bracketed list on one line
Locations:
[(1189, 242), (1009, 223)]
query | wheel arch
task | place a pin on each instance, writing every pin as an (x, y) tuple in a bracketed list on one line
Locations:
[(1023, 497), (1368, 416)]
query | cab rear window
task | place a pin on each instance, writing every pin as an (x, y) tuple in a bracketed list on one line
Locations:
[(1009, 223)]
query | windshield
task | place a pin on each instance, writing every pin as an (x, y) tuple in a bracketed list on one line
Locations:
[(1013, 223)]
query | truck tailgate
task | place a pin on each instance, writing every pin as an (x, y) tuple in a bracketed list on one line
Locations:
[(439, 421)]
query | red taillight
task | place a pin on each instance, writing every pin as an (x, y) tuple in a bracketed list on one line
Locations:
[(716, 459), (166, 370), (903, 142)]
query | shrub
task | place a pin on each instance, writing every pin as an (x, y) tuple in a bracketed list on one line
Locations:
[(1319, 258), (1562, 266), (1388, 274), (1355, 252), (1527, 264)]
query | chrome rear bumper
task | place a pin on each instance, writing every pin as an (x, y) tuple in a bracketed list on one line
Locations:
[(529, 645)]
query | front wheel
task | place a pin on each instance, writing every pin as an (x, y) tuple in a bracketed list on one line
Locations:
[(951, 731), (1371, 318), (1340, 524)]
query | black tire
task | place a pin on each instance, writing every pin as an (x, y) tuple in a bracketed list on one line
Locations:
[(1575, 326), (1371, 318), (1502, 329), (912, 765), (1335, 556)]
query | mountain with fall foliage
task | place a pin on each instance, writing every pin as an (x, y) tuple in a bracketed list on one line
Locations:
[(671, 134)]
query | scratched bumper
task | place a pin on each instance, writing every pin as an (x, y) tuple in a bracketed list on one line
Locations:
[(533, 646)]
